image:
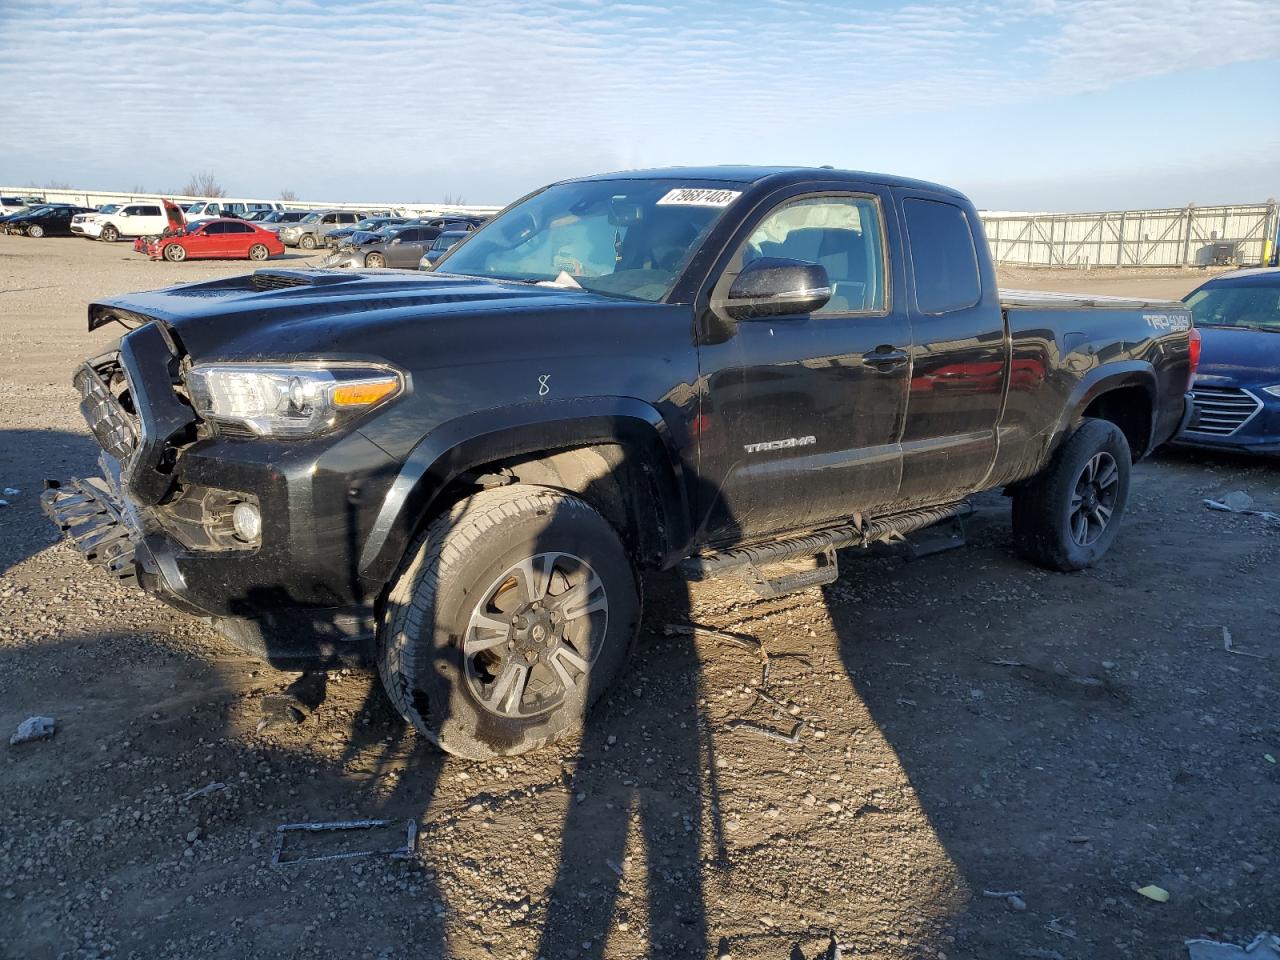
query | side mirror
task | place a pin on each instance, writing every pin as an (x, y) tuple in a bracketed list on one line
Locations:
[(774, 287), (395, 241)]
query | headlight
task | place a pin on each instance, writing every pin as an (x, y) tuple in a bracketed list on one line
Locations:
[(289, 400), (1274, 391)]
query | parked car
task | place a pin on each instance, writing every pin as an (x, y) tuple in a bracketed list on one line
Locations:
[(308, 233), (145, 219), (706, 368), (279, 219), (49, 220), (401, 246), (440, 246), (12, 205), (1236, 395), (333, 239), (80, 219), (222, 239)]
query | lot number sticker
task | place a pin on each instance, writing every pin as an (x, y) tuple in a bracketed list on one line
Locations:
[(699, 197)]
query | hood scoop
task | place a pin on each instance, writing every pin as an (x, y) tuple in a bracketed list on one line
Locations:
[(279, 279)]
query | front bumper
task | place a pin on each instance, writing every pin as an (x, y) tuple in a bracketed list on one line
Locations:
[(1258, 434), (150, 519)]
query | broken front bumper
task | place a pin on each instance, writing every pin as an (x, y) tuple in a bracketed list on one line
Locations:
[(93, 520)]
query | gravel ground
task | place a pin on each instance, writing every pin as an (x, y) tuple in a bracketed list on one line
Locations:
[(969, 724)]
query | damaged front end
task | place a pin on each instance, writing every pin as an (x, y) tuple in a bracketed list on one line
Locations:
[(213, 521)]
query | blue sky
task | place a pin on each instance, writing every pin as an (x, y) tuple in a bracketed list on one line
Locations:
[(1025, 104)]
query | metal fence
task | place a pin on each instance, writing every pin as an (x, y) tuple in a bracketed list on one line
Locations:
[(96, 198), (1182, 236)]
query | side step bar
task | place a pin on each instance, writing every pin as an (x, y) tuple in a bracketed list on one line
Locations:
[(822, 545)]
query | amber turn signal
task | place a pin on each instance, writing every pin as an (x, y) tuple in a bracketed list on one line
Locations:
[(365, 392)]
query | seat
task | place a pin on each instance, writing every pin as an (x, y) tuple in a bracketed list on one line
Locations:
[(842, 253)]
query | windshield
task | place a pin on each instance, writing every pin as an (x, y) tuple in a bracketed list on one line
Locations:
[(624, 238), (109, 208), (311, 218), (1230, 305), (446, 240)]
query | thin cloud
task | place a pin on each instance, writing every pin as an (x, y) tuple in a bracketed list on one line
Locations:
[(341, 92)]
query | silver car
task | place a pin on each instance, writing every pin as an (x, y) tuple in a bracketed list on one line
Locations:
[(308, 233), (394, 247)]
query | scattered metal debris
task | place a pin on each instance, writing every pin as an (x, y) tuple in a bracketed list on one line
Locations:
[(1152, 892), (411, 840), (1240, 502), (1227, 646), (204, 791), (1055, 926), (1265, 946), (792, 738), (32, 728)]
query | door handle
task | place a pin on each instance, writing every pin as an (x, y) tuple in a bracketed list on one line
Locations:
[(881, 357)]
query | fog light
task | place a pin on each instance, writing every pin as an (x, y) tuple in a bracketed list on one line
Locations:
[(247, 522)]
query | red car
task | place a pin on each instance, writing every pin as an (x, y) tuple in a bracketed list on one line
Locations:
[(221, 239)]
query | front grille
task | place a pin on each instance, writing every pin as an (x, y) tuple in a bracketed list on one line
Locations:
[(1221, 411), (104, 391)]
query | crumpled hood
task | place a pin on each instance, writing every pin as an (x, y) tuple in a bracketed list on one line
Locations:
[(286, 314), (1239, 355)]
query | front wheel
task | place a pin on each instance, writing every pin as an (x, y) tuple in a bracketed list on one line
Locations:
[(258, 252), (1067, 517), (175, 253), (375, 260), (510, 617), (35, 230), (308, 242), (109, 234)]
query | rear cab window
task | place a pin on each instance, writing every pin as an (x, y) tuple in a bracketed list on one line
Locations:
[(943, 257)]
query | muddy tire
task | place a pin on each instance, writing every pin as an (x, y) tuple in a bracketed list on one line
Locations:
[(1067, 517), (307, 241), (509, 617), (259, 251), (109, 234)]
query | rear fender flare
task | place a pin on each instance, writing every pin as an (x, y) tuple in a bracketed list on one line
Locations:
[(1104, 379), (461, 445)]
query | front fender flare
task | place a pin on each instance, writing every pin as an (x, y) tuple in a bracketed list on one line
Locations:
[(456, 447)]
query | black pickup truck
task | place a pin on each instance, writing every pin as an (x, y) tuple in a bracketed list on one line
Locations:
[(721, 369)]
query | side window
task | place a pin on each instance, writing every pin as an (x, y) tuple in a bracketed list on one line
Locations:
[(150, 212), (942, 255), (133, 211), (329, 218), (215, 228), (238, 228), (842, 234)]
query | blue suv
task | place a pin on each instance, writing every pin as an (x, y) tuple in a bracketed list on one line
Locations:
[(1236, 396)]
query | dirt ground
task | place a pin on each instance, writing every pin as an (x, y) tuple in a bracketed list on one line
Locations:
[(971, 724)]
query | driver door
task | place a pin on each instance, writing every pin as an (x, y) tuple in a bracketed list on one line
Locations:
[(802, 415)]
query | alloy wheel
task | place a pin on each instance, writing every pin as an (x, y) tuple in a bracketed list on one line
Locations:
[(534, 635), (1094, 498)]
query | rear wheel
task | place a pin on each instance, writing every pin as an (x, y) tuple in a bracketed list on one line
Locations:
[(109, 234), (35, 230), (1068, 516), (175, 253), (509, 618), (375, 260), (259, 252), (307, 242)]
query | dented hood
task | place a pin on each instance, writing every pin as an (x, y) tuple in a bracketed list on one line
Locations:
[(307, 314)]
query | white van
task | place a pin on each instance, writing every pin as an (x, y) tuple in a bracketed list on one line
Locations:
[(208, 209), (143, 219)]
